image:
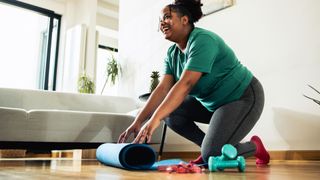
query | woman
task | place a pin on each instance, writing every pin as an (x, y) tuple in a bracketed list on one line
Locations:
[(203, 82)]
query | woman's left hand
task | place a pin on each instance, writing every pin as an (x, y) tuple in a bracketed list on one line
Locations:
[(146, 131)]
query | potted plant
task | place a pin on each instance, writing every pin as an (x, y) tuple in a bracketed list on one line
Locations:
[(86, 84), (153, 84), (154, 80), (113, 72)]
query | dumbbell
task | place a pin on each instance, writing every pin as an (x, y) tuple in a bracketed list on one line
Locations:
[(228, 152), (215, 164), (227, 159)]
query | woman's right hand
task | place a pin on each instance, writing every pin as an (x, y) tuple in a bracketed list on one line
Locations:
[(133, 128)]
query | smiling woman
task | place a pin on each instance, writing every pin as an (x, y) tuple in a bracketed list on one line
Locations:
[(203, 82)]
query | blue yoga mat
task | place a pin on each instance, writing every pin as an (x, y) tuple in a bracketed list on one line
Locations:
[(126, 156), (130, 156)]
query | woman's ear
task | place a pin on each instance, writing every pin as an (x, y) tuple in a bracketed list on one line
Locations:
[(185, 20)]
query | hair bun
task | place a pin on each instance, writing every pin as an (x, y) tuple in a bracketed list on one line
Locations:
[(193, 6)]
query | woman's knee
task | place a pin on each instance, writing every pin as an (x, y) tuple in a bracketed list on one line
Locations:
[(206, 152), (174, 121)]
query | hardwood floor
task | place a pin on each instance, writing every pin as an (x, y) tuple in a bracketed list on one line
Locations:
[(51, 168)]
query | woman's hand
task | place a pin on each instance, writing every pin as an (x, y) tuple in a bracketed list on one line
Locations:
[(133, 128), (147, 131)]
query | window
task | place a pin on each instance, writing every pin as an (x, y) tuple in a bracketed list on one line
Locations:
[(104, 54), (29, 46)]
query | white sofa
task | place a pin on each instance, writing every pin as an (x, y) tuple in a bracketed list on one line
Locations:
[(56, 120)]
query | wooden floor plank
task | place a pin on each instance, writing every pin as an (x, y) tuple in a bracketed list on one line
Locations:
[(57, 168)]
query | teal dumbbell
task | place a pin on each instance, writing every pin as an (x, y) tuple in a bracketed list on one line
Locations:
[(215, 164), (228, 152), (227, 160)]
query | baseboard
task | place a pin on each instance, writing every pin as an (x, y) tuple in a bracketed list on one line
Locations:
[(295, 155), (275, 155)]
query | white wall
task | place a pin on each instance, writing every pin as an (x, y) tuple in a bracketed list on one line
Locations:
[(84, 12), (108, 22), (277, 39), (141, 46)]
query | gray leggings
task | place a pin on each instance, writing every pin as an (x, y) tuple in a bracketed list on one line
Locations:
[(228, 124)]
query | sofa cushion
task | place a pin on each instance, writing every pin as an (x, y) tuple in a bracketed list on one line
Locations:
[(76, 126), (13, 123)]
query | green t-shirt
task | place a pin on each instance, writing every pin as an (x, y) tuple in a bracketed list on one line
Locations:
[(224, 78)]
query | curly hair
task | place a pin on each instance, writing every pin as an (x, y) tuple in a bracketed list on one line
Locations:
[(190, 8)]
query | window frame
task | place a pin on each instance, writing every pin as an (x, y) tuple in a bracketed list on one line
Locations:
[(107, 48), (52, 16)]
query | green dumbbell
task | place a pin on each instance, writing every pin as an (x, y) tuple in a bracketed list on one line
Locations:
[(228, 152), (215, 164)]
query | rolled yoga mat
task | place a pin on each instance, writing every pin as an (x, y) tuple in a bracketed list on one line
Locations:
[(127, 156), (131, 156)]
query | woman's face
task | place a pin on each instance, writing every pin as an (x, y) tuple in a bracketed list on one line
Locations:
[(170, 24)]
